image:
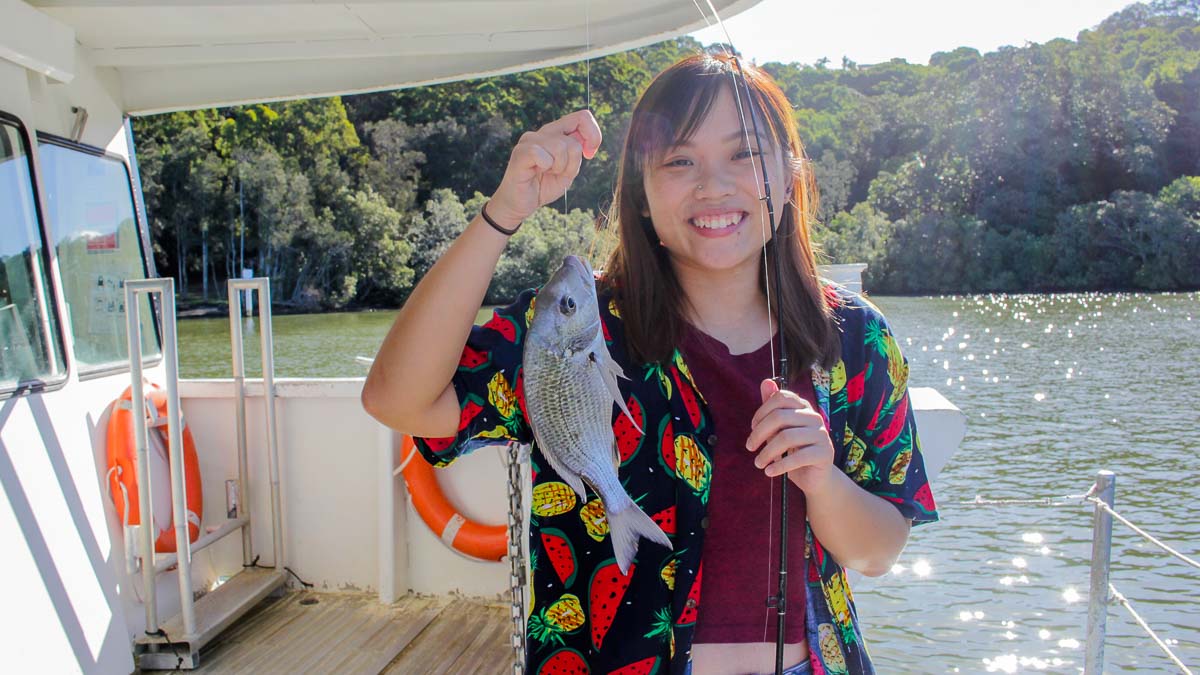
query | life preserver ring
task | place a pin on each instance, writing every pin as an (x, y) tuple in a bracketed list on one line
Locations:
[(486, 542), (122, 469)]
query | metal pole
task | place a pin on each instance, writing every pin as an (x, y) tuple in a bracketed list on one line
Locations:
[(183, 545), (1106, 485), (268, 367), (138, 410), (386, 445), (239, 388)]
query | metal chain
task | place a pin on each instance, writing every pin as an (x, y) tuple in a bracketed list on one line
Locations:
[(516, 579)]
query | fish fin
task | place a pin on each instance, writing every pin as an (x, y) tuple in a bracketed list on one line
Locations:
[(576, 483), (627, 527), (610, 371), (570, 477)]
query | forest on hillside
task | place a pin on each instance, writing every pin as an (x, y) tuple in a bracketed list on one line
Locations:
[(1070, 165)]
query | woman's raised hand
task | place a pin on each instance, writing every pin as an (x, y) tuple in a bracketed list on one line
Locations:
[(543, 165)]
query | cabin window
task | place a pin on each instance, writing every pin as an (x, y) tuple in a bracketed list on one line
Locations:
[(31, 353), (89, 198)]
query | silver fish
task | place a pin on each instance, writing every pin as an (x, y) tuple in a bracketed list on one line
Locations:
[(570, 386)]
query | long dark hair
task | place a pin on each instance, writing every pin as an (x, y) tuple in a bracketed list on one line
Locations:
[(639, 272)]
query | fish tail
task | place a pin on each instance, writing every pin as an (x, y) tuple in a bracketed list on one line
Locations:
[(629, 525)]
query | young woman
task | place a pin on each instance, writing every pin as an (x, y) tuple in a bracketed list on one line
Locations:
[(688, 316)]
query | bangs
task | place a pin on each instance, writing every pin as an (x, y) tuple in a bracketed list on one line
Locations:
[(677, 102), (672, 114)]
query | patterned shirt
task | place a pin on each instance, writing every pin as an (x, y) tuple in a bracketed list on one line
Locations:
[(585, 616)]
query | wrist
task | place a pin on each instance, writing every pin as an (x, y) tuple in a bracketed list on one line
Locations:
[(499, 220), (819, 482)]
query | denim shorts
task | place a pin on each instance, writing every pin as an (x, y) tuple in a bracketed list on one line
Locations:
[(803, 668)]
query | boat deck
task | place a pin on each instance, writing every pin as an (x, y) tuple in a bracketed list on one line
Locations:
[(306, 632)]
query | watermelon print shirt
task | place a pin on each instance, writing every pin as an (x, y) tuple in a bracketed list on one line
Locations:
[(585, 616)]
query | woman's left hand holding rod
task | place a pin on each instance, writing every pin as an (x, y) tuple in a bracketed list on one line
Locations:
[(862, 531), (790, 437)]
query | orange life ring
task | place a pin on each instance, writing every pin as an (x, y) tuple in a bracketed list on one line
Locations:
[(122, 469), (486, 542)]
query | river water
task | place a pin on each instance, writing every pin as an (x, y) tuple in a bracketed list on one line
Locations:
[(1055, 388)]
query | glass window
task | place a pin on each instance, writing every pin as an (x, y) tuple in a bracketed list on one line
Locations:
[(91, 214), (30, 347)]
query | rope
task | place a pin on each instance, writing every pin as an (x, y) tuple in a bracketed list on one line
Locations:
[(1065, 500), (287, 569), (1149, 537), (1149, 631), (174, 647)]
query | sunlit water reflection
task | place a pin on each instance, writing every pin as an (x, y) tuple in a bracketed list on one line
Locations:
[(1054, 388)]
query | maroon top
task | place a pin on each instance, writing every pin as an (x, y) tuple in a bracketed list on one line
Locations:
[(741, 546)]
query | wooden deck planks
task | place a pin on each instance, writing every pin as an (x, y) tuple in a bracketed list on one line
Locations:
[(353, 633)]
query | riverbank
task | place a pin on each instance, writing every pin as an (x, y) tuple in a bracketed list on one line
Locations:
[(191, 307)]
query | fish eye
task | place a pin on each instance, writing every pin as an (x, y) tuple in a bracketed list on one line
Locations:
[(567, 305)]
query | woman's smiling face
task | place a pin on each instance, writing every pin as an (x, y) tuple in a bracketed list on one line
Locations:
[(702, 195)]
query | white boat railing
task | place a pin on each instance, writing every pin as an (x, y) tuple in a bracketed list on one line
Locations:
[(1102, 592)]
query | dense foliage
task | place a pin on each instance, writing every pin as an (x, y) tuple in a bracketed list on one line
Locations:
[(1067, 165)]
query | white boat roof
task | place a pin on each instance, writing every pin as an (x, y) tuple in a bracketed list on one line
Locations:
[(191, 54)]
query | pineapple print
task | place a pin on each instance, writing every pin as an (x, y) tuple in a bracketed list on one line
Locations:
[(683, 368), (664, 382), (563, 617), (692, 466), (662, 628), (837, 378), (594, 519), (857, 449), (498, 432), (900, 467), (529, 312), (839, 603), (612, 308), (668, 574), (529, 570), (856, 468), (897, 369), (831, 652), (501, 395), (552, 499)]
